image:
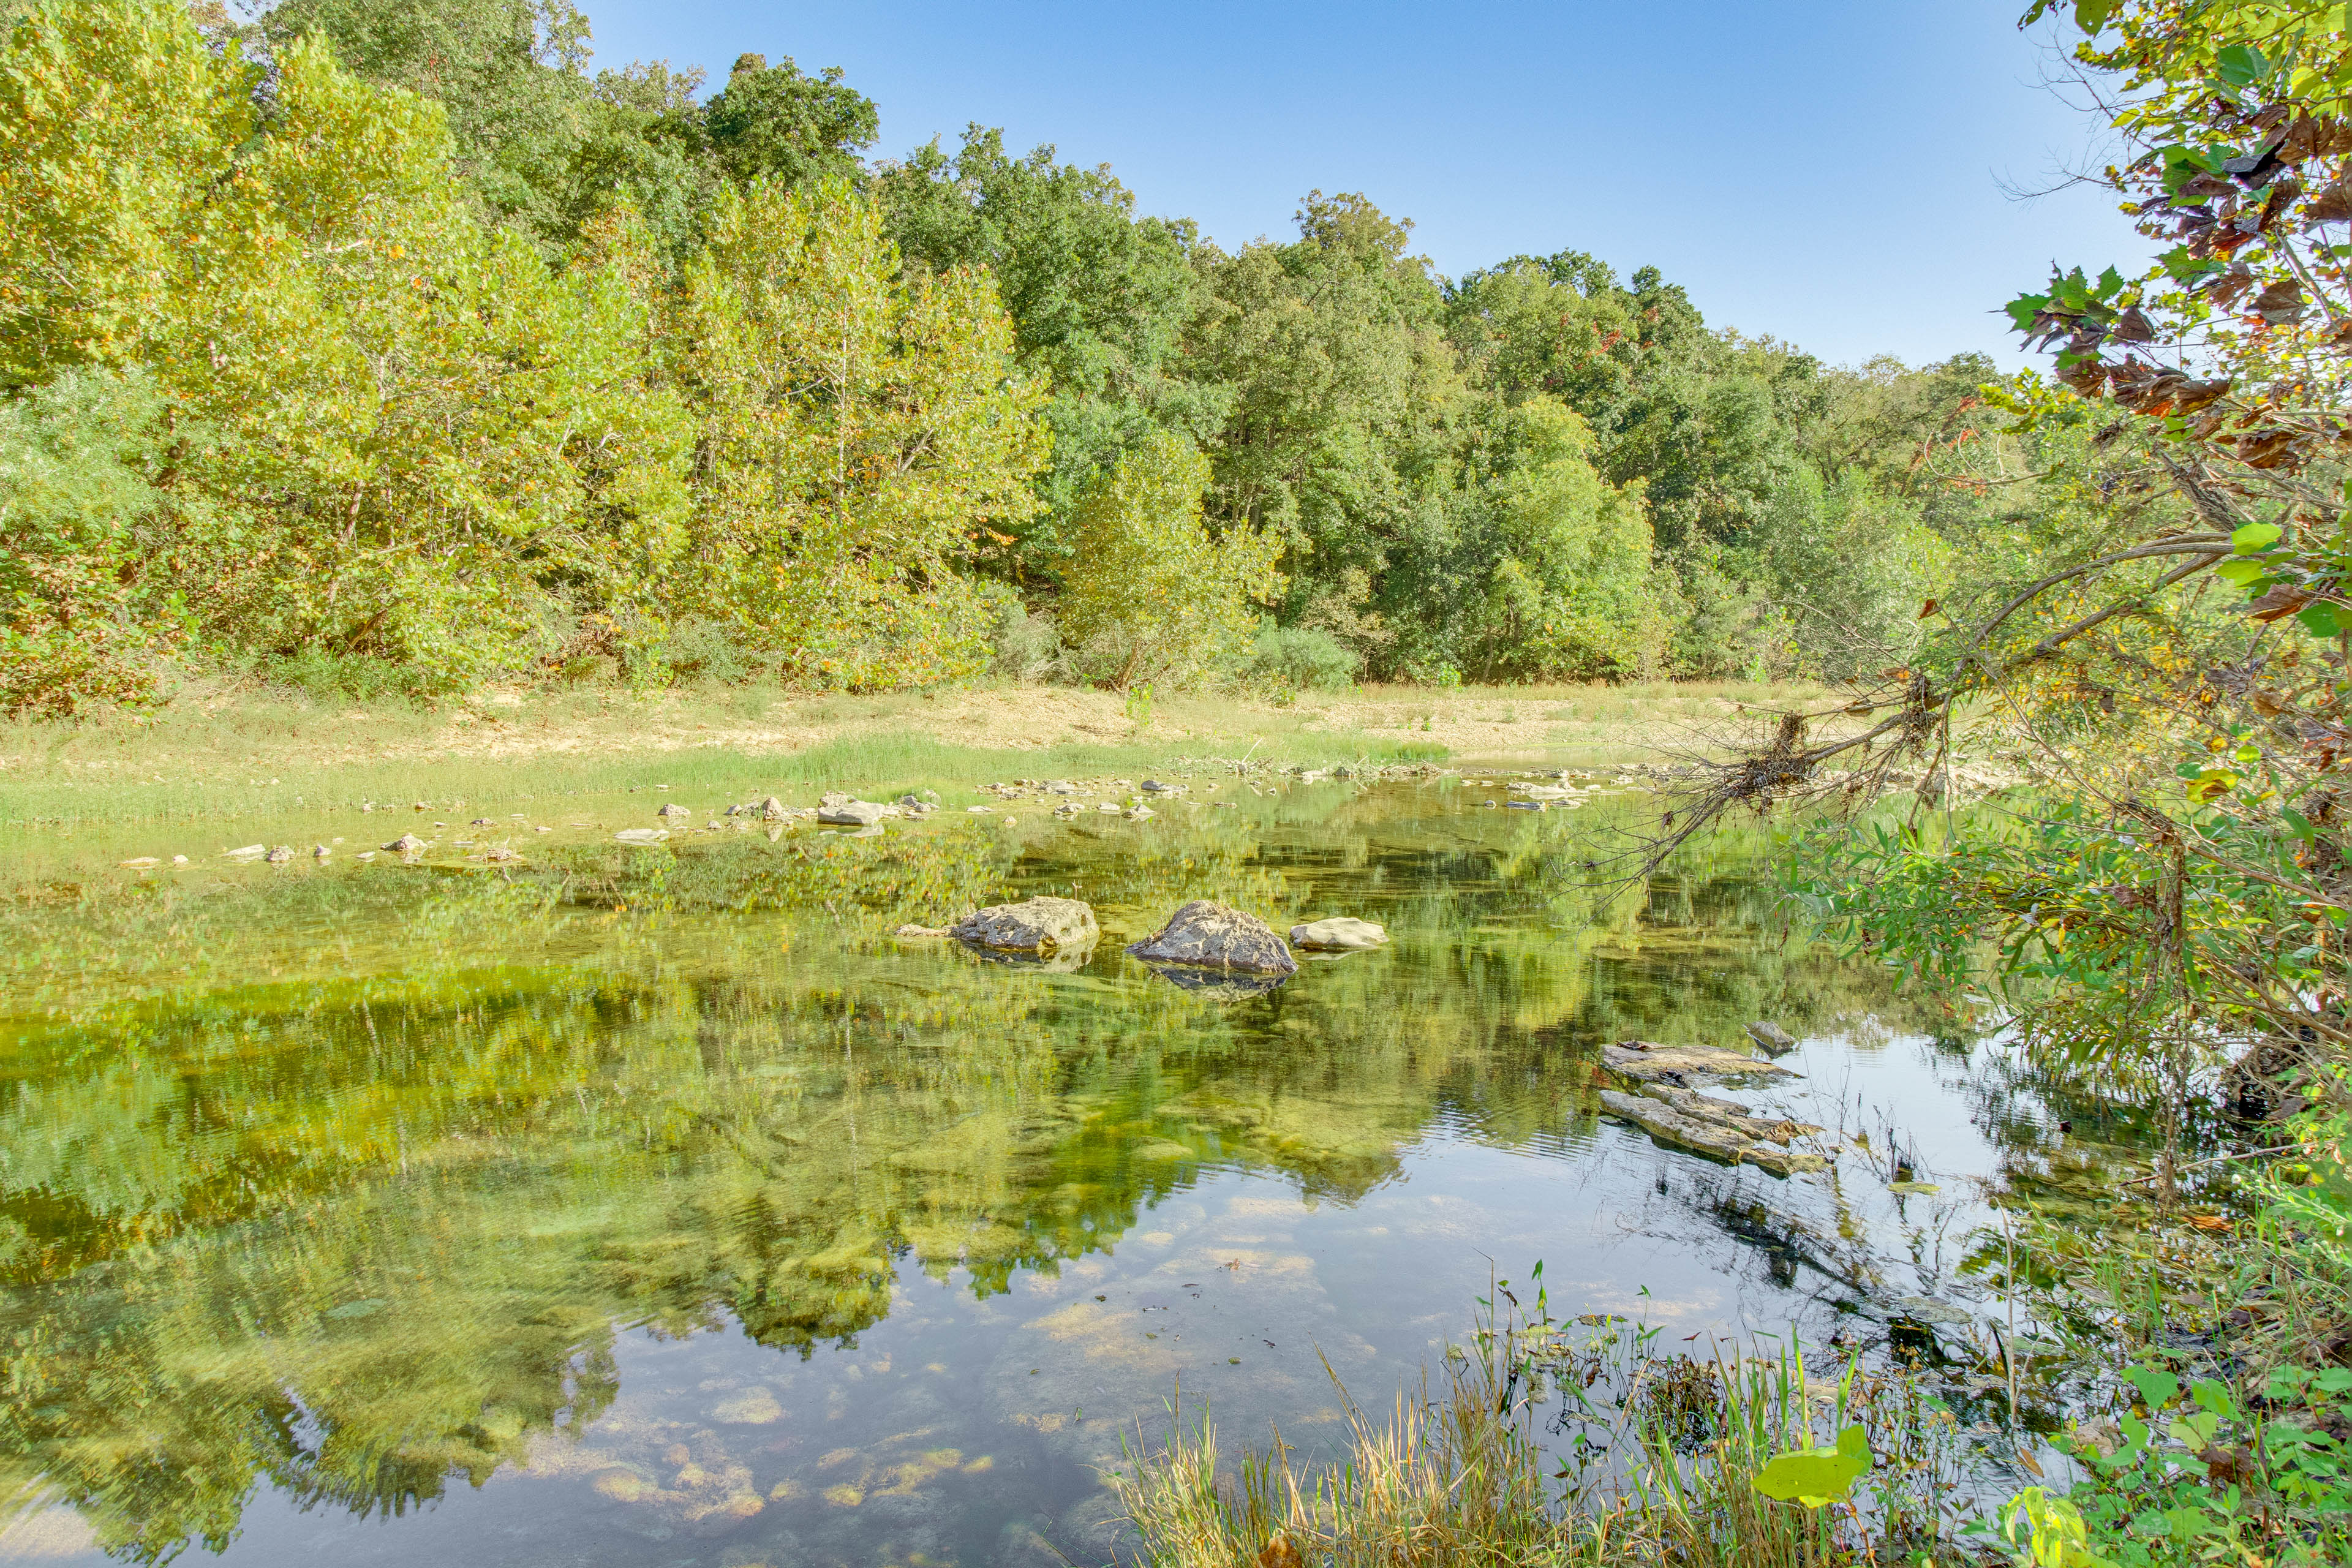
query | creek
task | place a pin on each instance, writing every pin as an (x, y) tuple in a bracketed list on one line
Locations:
[(651, 1205)]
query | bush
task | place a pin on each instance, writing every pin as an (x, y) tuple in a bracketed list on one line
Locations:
[(1149, 596), (1300, 658)]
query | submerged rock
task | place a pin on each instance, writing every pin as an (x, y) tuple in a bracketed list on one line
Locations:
[(1772, 1038), (852, 813), (1340, 934), (249, 852), (1214, 936), (280, 855), (1033, 925), (1649, 1062), (406, 844), (1706, 1135)]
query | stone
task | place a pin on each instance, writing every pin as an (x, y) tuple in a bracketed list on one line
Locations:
[(1061, 786), (834, 797), (1039, 925), (280, 854), (1669, 1125), (319, 852), (141, 863), (642, 834), (1153, 786), (772, 810), (1544, 792), (1649, 1062), (851, 813), (406, 844), (1340, 934), (1214, 936), (1928, 1309), (249, 852), (911, 931), (1109, 805), (1772, 1038), (1141, 813), (179, 860), (673, 809), (1728, 1114)]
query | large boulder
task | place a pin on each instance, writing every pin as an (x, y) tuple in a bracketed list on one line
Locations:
[(1340, 934), (1214, 936), (1033, 925), (853, 813)]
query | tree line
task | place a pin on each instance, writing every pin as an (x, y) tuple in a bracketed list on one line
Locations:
[(379, 345)]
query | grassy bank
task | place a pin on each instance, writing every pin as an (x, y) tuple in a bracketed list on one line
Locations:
[(261, 764)]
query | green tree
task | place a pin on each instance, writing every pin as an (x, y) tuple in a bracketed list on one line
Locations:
[(795, 131), (862, 432), (1100, 300), (508, 74), (1149, 594)]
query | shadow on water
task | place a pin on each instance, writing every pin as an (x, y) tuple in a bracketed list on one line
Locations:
[(666, 1203)]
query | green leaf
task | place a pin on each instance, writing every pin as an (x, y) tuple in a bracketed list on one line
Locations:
[(1817, 1476), (2092, 14), (2299, 824), (2241, 65), (2155, 1386), (2321, 620), (2241, 571), (2255, 538)]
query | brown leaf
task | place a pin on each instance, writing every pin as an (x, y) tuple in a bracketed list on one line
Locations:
[(2280, 303), (2195, 395), (2131, 327), (2283, 600), (2333, 205), (2270, 449), (1928, 609), (1280, 1553)]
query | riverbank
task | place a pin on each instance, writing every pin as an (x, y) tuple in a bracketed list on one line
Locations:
[(258, 761)]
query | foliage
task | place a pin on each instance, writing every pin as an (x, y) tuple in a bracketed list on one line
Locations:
[(78, 463), (1150, 594), (1099, 298), (859, 431)]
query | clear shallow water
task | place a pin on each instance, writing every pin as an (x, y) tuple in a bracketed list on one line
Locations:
[(652, 1208)]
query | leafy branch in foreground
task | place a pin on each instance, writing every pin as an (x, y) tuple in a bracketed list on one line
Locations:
[(2170, 671)]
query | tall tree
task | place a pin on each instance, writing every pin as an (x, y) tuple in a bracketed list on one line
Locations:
[(1100, 300)]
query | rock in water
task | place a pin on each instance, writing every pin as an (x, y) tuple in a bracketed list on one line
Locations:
[(1215, 937), (406, 844), (1772, 1038), (642, 834), (1650, 1062), (852, 813), (1339, 934), (772, 810), (280, 855), (1719, 1134), (673, 809), (1033, 925)]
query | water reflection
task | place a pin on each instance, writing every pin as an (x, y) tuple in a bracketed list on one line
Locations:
[(669, 1206)]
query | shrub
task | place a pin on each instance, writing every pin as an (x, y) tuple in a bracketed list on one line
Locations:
[(1300, 658), (1149, 595)]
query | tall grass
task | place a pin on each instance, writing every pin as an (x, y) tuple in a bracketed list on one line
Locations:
[(1460, 1480)]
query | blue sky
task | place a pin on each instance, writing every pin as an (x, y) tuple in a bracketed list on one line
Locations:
[(1829, 174)]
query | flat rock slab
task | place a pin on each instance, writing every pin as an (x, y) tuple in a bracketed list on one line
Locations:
[(1339, 934), (1727, 1114), (1033, 925), (1669, 1125), (1214, 936), (1650, 1062), (853, 813), (1772, 1038)]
